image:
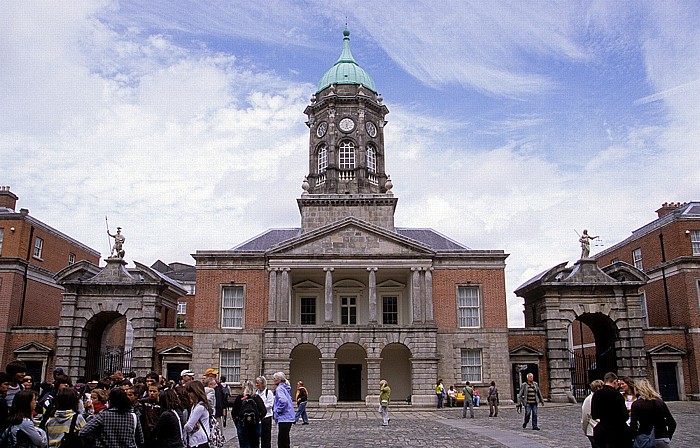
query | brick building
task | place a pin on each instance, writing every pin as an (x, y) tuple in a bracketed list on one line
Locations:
[(31, 253), (348, 298), (667, 250)]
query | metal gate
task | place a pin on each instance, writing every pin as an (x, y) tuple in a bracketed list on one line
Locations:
[(586, 368), (109, 361)]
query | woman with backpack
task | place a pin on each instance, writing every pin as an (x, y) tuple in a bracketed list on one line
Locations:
[(247, 412), (66, 422), (22, 433), (168, 432), (197, 429)]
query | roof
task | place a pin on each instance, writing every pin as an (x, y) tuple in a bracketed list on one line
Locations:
[(346, 70), (273, 237)]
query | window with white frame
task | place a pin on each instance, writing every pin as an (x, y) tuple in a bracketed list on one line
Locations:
[(71, 258), (2, 234), (390, 310), (232, 307), (348, 310), (469, 306), (645, 313), (471, 365), (694, 241), (322, 158), (637, 258), (371, 159), (230, 365), (38, 247), (346, 155), (181, 307), (308, 311)]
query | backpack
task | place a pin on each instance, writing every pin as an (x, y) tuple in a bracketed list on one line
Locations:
[(248, 415), (71, 439)]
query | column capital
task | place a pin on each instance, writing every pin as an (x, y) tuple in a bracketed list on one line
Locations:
[(328, 269), (372, 269)]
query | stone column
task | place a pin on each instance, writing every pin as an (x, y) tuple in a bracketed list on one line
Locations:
[(372, 295), (328, 396), (416, 299), (424, 374), (284, 296), (71, 342), (272, 296), (558, 361), (328, 317), (429, 295), (373, 377)]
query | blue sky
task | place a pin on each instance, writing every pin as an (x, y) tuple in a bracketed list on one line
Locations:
[(511, 124)]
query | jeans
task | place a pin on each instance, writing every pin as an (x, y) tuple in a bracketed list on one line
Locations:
[(384, 411), (441, 398), (248, 437), (470, 403), (493, 407), (530, 408), (301, 411)]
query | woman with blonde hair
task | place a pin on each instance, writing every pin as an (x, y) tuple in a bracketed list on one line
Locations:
[(651, 417), (384, 396)]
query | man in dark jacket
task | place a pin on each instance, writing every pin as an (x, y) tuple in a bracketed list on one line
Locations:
[(608, 407)]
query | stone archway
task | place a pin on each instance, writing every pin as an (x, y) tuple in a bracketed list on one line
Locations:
[(351, 372), (105, 351), (305, 365), (396, 369), (593, 350)]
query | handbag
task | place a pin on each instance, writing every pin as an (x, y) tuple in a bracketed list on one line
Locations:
[(645, 440), (384, 403)]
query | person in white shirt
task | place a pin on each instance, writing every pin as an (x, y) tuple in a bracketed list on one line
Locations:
[(587, 422), (269, 399)]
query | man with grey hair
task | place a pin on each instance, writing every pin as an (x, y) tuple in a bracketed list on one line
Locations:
[(269, 399)]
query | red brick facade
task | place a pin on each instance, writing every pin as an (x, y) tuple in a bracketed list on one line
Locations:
[(492, 286)]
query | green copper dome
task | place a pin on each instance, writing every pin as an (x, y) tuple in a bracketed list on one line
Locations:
[(346, 70)]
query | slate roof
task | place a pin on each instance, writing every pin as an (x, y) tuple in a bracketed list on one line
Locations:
[(272, 237)]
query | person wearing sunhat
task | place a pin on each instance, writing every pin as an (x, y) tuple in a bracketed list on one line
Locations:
[(186, 376)]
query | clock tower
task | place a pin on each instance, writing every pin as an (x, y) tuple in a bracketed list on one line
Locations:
[(346, 149)]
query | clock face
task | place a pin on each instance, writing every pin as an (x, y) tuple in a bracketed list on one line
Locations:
[(321, 129), (371, 129), (346, 124)]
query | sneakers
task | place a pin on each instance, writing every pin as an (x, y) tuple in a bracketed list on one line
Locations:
[(535, 428), (524, 425)]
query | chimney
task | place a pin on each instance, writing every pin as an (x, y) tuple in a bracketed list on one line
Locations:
[(7, 198), (668, 207)]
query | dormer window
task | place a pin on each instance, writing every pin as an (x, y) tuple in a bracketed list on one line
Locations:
[(346, 156)]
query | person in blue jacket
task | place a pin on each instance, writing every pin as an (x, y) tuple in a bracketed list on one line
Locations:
[(283, 409)]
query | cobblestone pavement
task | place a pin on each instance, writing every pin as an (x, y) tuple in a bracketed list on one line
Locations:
[(445, 428)]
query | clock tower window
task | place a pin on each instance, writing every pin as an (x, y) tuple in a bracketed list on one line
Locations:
[(371, 159), (346, 154), (322, 158)]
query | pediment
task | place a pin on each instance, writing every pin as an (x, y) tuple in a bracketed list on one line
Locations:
[(525, 350), (350, 237), (348, 283), (32, 348), (77, 272), (307, 284), (666, 349), (390, 284), (176, 350)]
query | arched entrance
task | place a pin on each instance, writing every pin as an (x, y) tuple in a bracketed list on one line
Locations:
[(396, 369), (305, 366), (107, 347), (592, 347), (351, 370)]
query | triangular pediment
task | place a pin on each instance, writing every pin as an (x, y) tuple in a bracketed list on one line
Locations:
[(351, 237), (525, 350), (666, 349), (175, 350), (77, 272), (32, 348)]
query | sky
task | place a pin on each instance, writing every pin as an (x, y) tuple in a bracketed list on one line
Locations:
[(512, 125)]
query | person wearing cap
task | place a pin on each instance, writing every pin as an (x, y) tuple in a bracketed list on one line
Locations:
[(219, 396), (187, 375)]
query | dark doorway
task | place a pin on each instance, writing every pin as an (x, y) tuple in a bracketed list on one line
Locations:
[(174, 369), (349, 382), (594, 353), (520, 372), (668, 382), (34, 369)]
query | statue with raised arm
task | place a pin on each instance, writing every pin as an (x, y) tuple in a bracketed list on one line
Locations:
[(118, 247), (585, 241)]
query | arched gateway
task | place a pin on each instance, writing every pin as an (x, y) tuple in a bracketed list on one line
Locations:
[(109, 317), (563, 299)]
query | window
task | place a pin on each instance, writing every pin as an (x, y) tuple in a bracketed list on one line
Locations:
[(71, 258), (471, 365), (468, 306), (38, 247), (645, 314), (232, 307), (230, 365), (181, 307), (2, 233), (346, 160), (308, 310), (694, 241), (348, 310), (371, 159), (390, 310), (322, 158), (637, 258)]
